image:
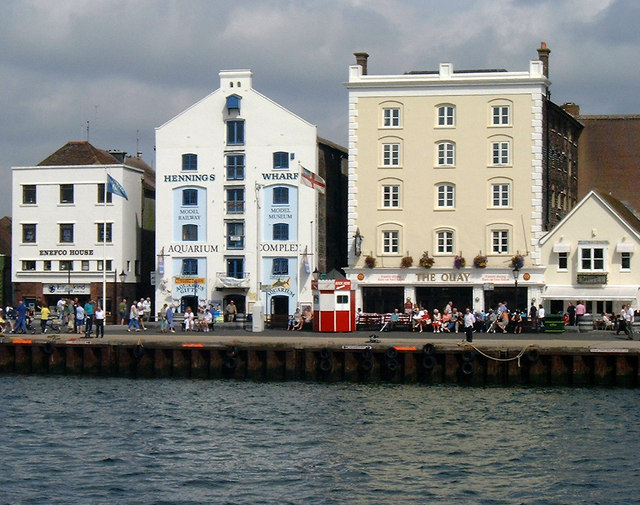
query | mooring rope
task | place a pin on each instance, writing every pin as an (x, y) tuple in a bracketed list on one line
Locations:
[(517, 357)]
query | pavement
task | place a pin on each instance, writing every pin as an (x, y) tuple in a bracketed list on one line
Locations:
[(225, 334)]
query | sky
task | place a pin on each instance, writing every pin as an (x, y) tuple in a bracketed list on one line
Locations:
[(125, 67)]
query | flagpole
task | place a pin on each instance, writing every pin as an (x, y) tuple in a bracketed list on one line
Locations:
[(104, 249)]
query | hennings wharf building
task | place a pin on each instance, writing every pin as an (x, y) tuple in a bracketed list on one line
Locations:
[(446, 166)]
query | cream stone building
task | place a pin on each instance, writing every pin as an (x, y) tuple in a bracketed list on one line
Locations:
[(591, 255), (446, 164)]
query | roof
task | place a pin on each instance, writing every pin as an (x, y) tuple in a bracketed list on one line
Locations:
[(149, 172), (79, 153)]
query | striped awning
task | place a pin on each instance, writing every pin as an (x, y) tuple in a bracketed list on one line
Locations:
[(622, 293)]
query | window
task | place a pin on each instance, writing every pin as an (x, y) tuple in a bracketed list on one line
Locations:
[(444, 241), (235, 200), (235, 235), (109, 232), (46, 265), (499, 241), (446, 196), (85, 265), (280, 196), (280, 266), (390, 242), (592, 258), (390, 155), (500, 153), (235, 167), (625, 261), (190, 232), (280, 160), (189, 197), (189, 162), (390, 117), (102, 188), (563, 260), (233, 103), (500, 195), (281, 231), (28, 233), (189, 266), (446, 154), (29, 194), (235, 133), (235, 268), (109, 265), (391, 196), (66, 193), (28, 265), (446, 115), (66, 265), (500, 115), (66, 233)]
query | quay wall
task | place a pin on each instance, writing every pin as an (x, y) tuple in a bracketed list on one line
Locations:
[(429, 364)]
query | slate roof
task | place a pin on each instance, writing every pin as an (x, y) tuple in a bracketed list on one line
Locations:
[(79, 153), (624, 211)]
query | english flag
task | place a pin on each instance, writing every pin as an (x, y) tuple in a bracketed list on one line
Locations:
[(312, 180)]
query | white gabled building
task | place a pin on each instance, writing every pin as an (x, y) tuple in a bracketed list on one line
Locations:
[(592, 256), (59, 219), (234, 221)]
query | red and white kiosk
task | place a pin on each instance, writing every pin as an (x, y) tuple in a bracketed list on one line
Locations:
[(333, 305)]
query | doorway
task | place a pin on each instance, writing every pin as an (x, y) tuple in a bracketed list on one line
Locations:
[(279, 311), (189, 301)]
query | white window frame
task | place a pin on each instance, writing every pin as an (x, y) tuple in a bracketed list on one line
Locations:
[(625, 257), (501, 115), (445, 242), (391, 117), (391, 242), (563, 255), (446, 115), (596, 264), (391, 154), (501, 153), (446, 156), (501, 195), (391, 196), (499, 241), (446, 196)]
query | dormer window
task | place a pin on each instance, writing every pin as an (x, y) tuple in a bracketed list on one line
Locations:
[(233, 103)]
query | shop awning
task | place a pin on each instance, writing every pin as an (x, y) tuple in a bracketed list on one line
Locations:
[(623, 293)]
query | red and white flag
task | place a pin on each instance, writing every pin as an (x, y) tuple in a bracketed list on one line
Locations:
[(312, 180)]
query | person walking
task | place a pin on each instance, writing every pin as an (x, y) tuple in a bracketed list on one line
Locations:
[(44, 318), (622, 317), (99, 318), (469, 321), (231, 311), (122, 309), (163, 318), (88, 317), (79, 318), (628, 321), (571, 311), (133, 317), (581, 310), (170, 318), (21, 317)]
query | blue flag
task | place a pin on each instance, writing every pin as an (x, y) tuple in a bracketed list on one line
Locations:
[(115, 187)]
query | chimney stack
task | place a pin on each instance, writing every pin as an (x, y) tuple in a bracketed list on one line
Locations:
[(571, 108), (543, 56), (361, 59)]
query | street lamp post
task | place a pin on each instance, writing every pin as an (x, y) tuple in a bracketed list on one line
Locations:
[(516, 274), (123, 277)]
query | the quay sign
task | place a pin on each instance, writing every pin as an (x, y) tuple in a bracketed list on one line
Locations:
[(66, 252), (443, 277)]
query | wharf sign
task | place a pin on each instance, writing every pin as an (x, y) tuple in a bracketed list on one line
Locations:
[(282, 176), (66, 252)]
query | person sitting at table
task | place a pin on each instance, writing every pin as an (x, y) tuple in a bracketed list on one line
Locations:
[(446, 320)]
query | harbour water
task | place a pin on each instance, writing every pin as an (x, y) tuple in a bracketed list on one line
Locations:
[(81, 440)]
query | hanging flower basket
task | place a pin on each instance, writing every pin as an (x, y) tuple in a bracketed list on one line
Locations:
[(517, 261), (459, 262), (426, 261), (480, 261), (406, 262), (370, 261)]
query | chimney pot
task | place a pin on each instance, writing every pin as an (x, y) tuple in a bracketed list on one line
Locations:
[(543, 56), (361, 59)]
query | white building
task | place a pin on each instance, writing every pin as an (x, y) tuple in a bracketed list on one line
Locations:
[(234, 220), (592, 256), (59, 222)]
